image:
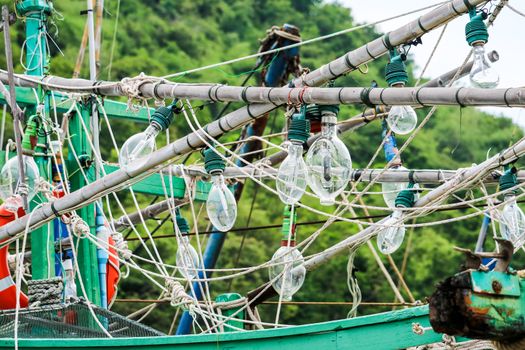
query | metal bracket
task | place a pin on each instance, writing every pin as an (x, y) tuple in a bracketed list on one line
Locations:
[(503, 256)]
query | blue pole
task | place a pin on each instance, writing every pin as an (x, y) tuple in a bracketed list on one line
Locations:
[(272, 78)]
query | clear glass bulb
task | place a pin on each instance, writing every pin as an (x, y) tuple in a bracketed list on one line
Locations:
[(391, 189), (135, 151), (70, 290), (391, 236), (482, 75), (221, 205), (291, 176), (291, 261), (329, 164), (402, 119), (10, 176), (512, 221), (187, 258)]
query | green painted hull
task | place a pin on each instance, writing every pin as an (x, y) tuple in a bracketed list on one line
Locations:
[(390, 330)]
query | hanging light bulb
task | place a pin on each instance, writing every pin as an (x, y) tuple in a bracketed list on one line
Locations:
[(328, 160), (135, 151), (401, 119), (291, 176), (10, 177), (10, 188), (287, 272), (187, 259), (391, 189), (512, 218), (220, 205), (482, 75), (391, 236)]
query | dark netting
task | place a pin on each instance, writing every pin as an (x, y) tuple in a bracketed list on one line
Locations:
[(70, 321)]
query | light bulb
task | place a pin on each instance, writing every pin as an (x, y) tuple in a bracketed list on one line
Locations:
[(135, 151), (402, 119), (70, 290), (328, 162), (482, 75), (10, 176), (291, 176), (512, 221), (290, 262), (391, 189), (187, 258), (221, 205), (391, 236)]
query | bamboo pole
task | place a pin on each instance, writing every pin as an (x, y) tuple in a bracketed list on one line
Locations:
[(420, 176), (414, 96), (235, 119)]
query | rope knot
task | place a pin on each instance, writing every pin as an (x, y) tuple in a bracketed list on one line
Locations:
[(178, 296), (131, 88)]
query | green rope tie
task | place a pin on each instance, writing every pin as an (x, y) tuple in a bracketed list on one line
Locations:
[(213, 162), (508, 180), (406, 198), (395, 70)]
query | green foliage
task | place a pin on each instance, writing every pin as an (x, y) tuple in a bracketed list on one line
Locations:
[(163, 36)]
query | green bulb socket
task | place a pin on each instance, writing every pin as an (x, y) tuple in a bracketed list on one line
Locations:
[(476, 30), (396, 71), (213, 162), (405, 199), (162, 117), (329, 109), (30, 138), (182, 224), (508, 180), (299, 130), (288, 220), (313, 112)]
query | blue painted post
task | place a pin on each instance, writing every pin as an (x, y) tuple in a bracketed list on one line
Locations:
[(216, 240)]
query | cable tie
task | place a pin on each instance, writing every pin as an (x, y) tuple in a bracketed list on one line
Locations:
[(301, 94), (55, 211), (243, 94), (417, 97), (339, 96), (505, 97), (365, 97), (386, 42), (457, 97), (270, 98), (368, 52)]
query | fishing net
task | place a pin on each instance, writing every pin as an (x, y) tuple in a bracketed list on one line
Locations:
[(70, 321)]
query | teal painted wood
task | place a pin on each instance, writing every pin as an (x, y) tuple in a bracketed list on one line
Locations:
[(385, 331), (114, 109), (153, 185)]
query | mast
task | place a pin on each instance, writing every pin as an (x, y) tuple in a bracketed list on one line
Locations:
[(37, 64)]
